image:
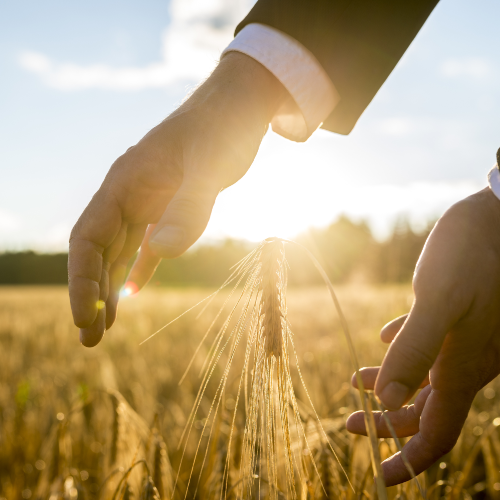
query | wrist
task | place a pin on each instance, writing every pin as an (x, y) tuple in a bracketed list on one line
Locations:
[(244, 75), (240, 86)]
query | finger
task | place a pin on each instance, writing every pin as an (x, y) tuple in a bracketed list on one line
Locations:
[(145, 265), (369, 377), (96, 229), (117, 273), (441, 422), (392, 328), (109, 255), (185, 218), (405, 421), (92, 335), (412, 353)]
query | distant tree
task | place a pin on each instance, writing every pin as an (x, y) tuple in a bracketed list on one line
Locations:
[(345, 248), (33, 268), (341, 248), (394, 260), (204, 265)]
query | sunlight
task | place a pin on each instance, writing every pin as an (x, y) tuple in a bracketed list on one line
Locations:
[(130, 288), (281, 196)]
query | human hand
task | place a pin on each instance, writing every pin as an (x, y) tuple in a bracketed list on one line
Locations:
[(449, 343), (170, 178)]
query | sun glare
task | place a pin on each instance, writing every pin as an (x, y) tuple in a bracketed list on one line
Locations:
[(130, 288)]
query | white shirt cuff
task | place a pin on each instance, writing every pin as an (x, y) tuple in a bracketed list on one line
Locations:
[(494, 180), (312, 94)]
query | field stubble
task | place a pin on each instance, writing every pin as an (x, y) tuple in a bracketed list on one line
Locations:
[(73, 421)]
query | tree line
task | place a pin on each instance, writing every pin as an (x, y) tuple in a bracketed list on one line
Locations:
[(346, 249)]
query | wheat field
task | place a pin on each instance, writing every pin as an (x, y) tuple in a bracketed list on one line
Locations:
[(108, 422)]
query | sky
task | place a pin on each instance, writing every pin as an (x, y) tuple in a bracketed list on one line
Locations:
[(82, 81)]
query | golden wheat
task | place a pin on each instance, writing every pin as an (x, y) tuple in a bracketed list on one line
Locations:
[(270, 464), (56, 416)]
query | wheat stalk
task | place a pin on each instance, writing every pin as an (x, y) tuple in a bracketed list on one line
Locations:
[(115, 431), (272, 412), (149, 491), (272, 274), (273, 418), (271, 393), (162, 470)]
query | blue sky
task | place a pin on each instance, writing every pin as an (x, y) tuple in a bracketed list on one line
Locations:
[(81, 82)]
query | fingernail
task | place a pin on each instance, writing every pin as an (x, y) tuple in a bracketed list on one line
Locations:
[(394, 395), (169, 236)]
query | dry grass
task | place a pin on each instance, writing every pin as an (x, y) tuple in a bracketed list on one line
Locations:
[(107, 422)]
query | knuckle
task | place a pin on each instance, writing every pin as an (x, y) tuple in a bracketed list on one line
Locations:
[(413, 355), (84, 260), (190, 207), (439, 444), (187, 205)]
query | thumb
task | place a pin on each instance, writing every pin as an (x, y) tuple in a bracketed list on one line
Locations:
[(412, 354), (185, 218)]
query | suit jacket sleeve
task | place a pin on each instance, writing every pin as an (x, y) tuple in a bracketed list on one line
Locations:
[(358, 42)]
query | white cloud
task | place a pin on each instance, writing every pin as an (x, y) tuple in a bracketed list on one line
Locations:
[(37, 63), (191, 45), (472, 67)]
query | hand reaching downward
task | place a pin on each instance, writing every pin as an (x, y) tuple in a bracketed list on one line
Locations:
[(171, 178)]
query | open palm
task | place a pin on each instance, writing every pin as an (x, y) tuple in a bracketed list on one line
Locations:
[(449, 343)]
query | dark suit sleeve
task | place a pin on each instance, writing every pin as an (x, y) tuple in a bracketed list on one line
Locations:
[(358, 42)]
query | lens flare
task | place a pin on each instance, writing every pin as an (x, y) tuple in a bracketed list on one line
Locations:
[(130, 288)]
